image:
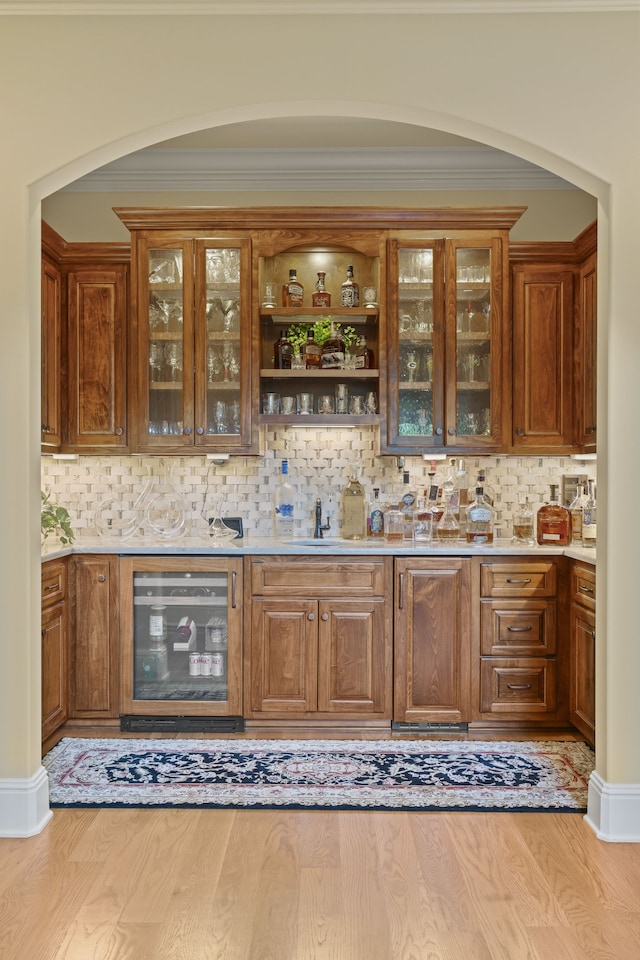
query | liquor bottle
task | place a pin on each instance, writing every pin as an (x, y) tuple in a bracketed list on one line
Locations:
[(448, 526), (480, 519), (589, 517), (354, 510), (575, 509), (283, 515), (312, 352), (462, 479), (523, 521), (292, 291), (350, 291), (364, 355), (553, 523), (408, 502), (333, 350), (282, 352), (320, 297), (375, 519)]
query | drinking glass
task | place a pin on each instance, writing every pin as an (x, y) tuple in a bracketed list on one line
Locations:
[(371, 402), (214, 364), (288, 404), (326, 404), (156, 360), (356, 406), (173, 356), (271, 403), (342, 397), (369, 294), (220, 416), (305, 403)]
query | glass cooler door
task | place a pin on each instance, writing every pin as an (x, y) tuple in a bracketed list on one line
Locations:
[(182, 637)]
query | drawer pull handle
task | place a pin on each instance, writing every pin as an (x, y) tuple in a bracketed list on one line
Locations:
[(513, 580), (519, 686), (584, 589), (51, 586), (519, 629)]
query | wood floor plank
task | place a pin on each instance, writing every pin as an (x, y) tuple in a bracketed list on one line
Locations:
[(321, 921)]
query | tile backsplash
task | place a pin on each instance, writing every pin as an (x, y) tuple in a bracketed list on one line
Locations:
[(320, 460)]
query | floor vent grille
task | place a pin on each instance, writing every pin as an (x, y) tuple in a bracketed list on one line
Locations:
[(431, 727), (133, 724)]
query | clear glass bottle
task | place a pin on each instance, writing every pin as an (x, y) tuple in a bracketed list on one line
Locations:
[(408, 503), (283, 513), (282, 352), (320, 296), (553, 523), (354, 510), (350, 291), (312, 352), (292, 291), (523, 521), (364, 355), (575, 509), (375, 519), (333, 350), (448, 526), (480, 519), (589, 517)]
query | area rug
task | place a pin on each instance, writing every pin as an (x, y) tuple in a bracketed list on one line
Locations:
[(415, 775)]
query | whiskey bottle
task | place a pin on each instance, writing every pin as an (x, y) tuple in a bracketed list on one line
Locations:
[(553, 523), (364, 355), (320, 296), (589, 517), (292, 291), (350, 291), (333, 350), (282, 352), (523, 521), (312, 352), (354, 510), (375, 519), (408, 501), (480, 519), (575, 510)]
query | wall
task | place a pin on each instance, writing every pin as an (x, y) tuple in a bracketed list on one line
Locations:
[(558, 89)]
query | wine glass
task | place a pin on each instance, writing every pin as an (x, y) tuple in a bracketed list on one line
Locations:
[(173, 355), (214, 364), (156, 360), (230, 314)]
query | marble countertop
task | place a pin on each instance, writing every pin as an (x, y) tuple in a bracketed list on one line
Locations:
[(303, 546)]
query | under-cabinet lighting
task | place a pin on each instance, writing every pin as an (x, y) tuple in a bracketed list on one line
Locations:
[(434, 456), (218, 458), (65, 456), (583, 456)]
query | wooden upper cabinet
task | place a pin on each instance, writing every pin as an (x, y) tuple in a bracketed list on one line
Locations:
[(97, 357), (586, 356), (51, 342), (543, 321)]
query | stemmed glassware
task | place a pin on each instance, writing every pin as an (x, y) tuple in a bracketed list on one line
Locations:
[(156, 360), (231, 314), (173, 355), (214, 364)]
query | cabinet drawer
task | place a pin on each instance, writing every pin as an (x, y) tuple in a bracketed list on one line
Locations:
[(518, 628), (518, 686), (54, 582), (529, 578), (583, 585), (329, 577)]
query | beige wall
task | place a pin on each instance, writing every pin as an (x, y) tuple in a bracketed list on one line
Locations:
[(560, 90)]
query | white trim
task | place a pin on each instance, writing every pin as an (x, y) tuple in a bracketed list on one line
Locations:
[(613, 810), (306, 7), (24, 805), (339, 168)]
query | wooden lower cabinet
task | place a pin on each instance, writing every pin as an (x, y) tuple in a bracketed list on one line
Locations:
[(432, 629), (319, 643), (582, 621), (94, 648), (54, 634), (522, 664)]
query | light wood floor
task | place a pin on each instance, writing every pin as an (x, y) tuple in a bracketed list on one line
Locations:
[(278, 885)]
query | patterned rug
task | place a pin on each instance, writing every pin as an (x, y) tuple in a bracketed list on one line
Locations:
[(413, 775)]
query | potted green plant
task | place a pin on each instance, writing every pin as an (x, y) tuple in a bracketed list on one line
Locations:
[(55, 520), (297, 333)]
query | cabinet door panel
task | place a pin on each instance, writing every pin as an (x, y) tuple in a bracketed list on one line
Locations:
[(283, 656), (97, 357), (354, 669), (54, 669), (542, 357), (51, 405), (432, 627), (94, 660), (583, 658), (586, 357)]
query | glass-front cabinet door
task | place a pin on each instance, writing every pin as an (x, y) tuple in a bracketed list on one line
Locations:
[(445, 345), (181, 636), (193, 321)]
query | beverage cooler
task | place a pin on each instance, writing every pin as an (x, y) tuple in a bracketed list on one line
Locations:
[(181, 633)]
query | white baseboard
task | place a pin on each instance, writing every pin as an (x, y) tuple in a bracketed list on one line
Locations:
[(613, 810), (24, 805)]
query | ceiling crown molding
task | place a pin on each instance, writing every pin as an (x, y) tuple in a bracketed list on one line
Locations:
[(301, 7), (402, 168)]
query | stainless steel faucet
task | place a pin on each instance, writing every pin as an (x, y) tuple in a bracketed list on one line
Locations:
[(318, 533)]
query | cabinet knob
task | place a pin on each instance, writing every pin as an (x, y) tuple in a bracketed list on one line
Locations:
[(187, 431), (101, 578), (438, 431), (520, 432), (200, 431), (325, 616), (119, 431), (311, 616), (452, 431)]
